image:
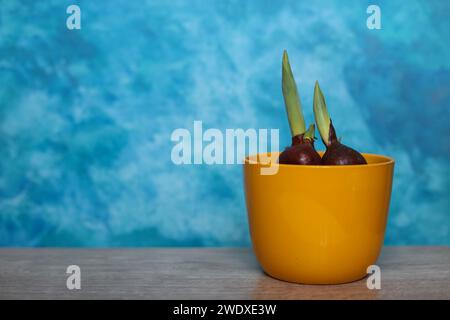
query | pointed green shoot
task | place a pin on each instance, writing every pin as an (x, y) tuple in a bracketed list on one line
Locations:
[(309, 134), (321, 114), (292, 99)]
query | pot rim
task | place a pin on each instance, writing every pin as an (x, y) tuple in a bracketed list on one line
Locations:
[(385, 162)]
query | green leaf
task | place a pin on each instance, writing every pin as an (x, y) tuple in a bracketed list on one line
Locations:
[(321, 114), (292, 99), (309, 134)]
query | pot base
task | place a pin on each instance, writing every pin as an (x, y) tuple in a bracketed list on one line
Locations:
[(316, 282)]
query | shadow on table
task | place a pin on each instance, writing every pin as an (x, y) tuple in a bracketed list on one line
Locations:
[(271, 288)]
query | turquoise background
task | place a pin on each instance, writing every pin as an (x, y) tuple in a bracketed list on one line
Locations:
[(86, 115)]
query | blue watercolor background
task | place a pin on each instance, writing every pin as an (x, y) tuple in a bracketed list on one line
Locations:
[(86, 115)]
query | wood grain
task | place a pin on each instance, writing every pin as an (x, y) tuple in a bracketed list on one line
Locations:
[(206, 273)]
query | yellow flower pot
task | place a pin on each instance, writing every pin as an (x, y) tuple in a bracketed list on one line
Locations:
[(318, 224)]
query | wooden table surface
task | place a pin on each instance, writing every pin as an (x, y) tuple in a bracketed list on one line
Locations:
[(206, 273)]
